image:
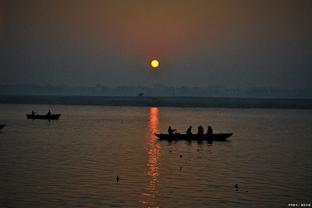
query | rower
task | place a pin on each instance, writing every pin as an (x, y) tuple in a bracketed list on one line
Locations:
[(189, 131), (171, 131), (33, 113), (49, 113)]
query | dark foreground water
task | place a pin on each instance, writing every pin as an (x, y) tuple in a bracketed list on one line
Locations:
[(74, 162)]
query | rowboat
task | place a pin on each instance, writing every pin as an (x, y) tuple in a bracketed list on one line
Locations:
[(177, 136), (46, 117), (2, 126)]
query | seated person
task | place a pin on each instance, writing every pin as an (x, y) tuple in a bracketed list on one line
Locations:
[(209, 131), (200, 130), (171, 131)]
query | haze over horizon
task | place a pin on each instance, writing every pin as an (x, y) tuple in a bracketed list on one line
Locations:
[(199, 43)]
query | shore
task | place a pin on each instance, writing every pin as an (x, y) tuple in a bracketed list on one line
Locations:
[(161, 101)]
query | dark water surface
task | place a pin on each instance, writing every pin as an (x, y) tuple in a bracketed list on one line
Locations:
[(74, 162)]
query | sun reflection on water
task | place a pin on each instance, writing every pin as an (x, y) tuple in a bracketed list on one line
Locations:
[(151, 191)]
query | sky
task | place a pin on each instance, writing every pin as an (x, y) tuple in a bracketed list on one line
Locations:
[(199, 43)]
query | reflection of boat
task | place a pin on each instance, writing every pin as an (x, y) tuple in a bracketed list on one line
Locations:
[(215, 137), (2, 126), (47, 116)]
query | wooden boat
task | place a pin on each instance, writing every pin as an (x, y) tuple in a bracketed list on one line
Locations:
[(2, 126), (46, 117), (214, 137)]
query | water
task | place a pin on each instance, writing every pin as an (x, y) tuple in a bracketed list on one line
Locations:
[(74, 162)]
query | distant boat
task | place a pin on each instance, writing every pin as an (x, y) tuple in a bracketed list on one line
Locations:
[(214, 137), (46, 117), (2, 126)]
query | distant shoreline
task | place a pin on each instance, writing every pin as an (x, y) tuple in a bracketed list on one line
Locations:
[(213, 102)]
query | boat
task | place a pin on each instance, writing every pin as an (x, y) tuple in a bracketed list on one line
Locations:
[(177, 136), (46, 117), (2, 126)]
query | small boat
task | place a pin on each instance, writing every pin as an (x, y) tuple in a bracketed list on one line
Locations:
[(46, 117), (214, 137), (2, 126)]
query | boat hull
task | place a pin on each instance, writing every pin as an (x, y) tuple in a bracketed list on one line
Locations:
[(45, 117), (2, 126), (214, 137)]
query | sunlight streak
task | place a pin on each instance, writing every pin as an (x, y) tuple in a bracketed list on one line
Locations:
[(153, 150)]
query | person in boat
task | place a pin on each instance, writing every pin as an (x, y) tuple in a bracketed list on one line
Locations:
[(200, 130), (33, 113), (189, 130), (171, 131), (49, 113), (209, 131)]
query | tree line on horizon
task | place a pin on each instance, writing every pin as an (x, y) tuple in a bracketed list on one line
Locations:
[(155, 90)]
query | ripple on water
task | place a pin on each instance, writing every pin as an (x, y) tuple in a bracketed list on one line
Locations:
[(74, 162)]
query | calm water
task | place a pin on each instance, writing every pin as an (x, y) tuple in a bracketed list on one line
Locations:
[(74, 162)]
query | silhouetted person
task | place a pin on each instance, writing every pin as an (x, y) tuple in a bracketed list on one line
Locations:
[(33, 113), (209, 131), (200, 130), (189, 131), (171, 131), (49, 113), (117, 179)]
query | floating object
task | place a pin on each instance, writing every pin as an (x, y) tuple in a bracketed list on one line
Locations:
[(46, 117), (236, 187), (214, 137), (117, 179), (2, 126)]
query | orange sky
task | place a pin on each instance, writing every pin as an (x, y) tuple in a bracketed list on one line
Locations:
[(252, 42)]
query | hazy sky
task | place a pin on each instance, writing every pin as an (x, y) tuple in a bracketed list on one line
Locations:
[(198, 42)]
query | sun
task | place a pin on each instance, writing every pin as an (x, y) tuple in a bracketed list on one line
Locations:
[(154, 63)]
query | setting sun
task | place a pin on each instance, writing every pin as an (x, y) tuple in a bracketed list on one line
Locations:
[(154, 63)]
